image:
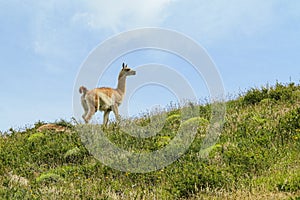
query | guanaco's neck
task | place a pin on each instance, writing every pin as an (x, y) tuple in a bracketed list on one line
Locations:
[(121, 84)]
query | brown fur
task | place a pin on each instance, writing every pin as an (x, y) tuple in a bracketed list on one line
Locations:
[(104, 99), (56, 128)]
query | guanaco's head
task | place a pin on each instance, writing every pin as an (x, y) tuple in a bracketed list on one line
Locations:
[(126, 71)]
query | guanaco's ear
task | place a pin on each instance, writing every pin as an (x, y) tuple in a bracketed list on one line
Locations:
[(123, 65)]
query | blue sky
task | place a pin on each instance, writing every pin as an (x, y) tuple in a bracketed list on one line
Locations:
[(44, 43)]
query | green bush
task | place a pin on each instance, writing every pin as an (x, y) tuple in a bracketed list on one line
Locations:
[(74, 155), (282, 92), (172, 122), (289, 125), (254, 96), (36, 137), (48, 178), (279, 92), (195, 124), (64, 123), (290, 184)]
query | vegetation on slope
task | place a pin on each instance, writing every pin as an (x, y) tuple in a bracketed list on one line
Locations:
[(256, 156)]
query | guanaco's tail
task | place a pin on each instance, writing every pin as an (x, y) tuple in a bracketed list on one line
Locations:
[(83, 90)]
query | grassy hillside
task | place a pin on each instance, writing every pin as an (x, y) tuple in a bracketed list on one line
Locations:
[(256, 157)]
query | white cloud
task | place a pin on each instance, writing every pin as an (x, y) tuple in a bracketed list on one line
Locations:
[(61, 29), (219, 19), (118, 15)]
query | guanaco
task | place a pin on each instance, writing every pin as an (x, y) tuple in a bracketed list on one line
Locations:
[(105, 98)]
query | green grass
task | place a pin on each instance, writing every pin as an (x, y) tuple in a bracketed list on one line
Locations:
[(256, 157)]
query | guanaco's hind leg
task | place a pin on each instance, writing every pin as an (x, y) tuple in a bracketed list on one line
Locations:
[(105, 117), (85, 107), (91, 109)]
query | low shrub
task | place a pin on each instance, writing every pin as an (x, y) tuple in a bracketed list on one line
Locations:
[(74, 155), (289, 125), (48, 178), (290, 184), (36, 137), (280, 92)]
